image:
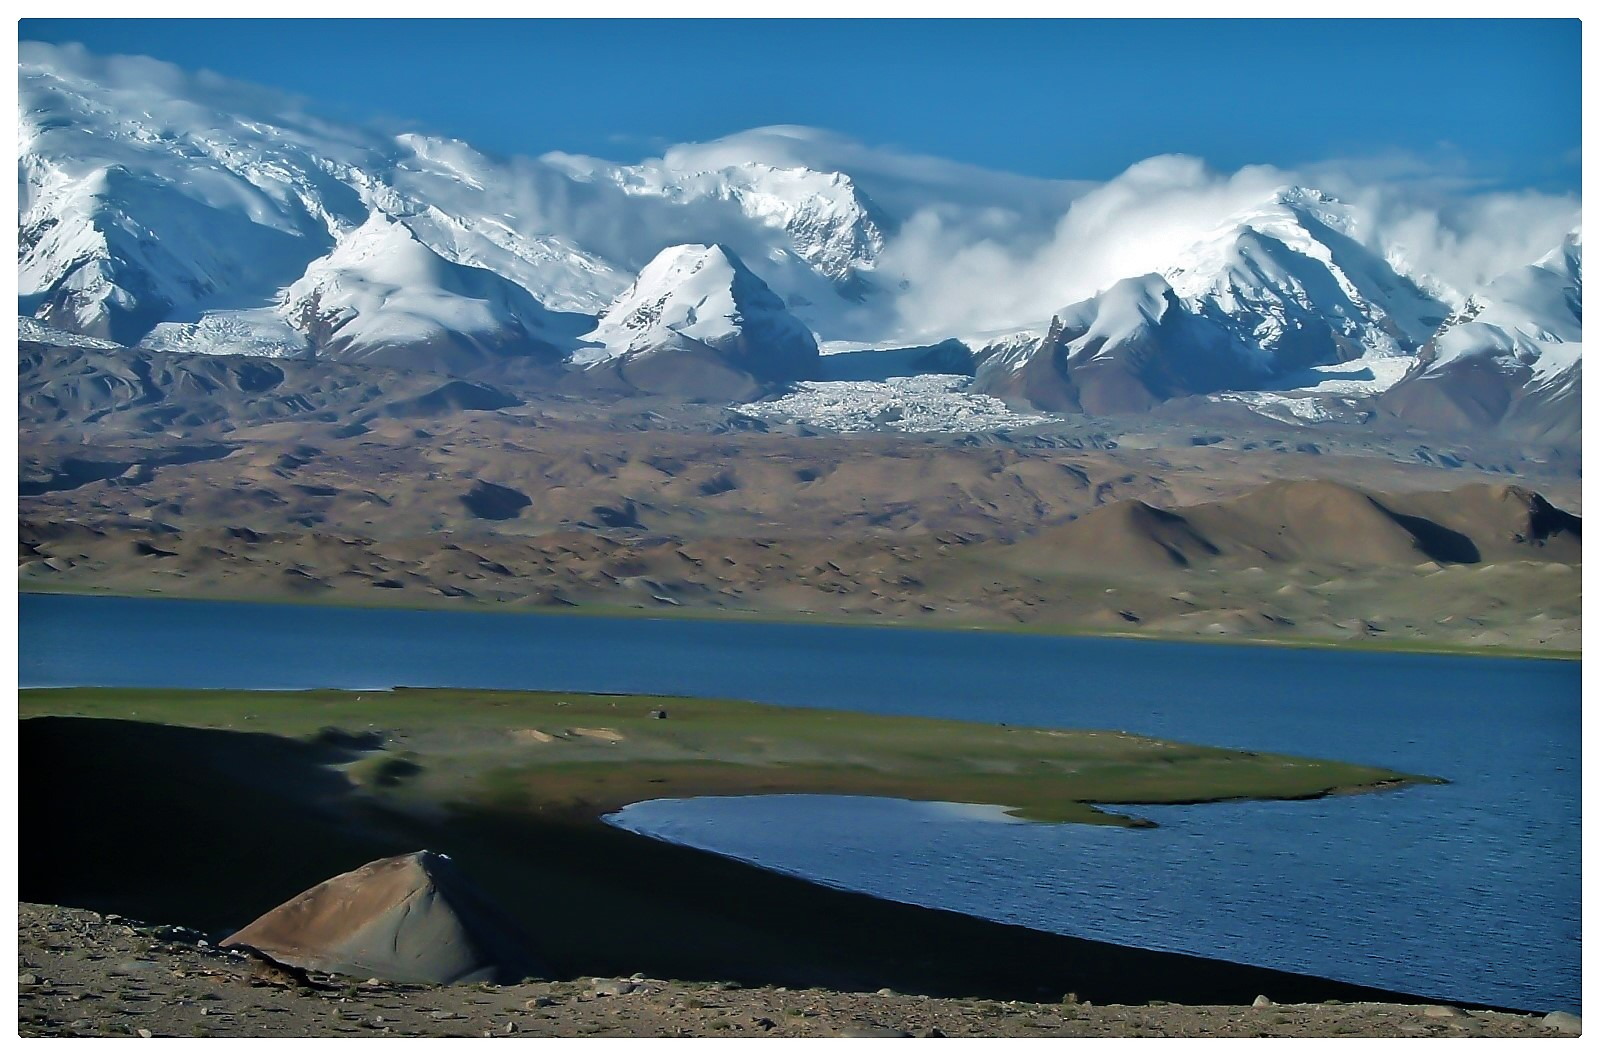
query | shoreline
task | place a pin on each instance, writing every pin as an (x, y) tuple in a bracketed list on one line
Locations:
[(598, 812), (732, 616)]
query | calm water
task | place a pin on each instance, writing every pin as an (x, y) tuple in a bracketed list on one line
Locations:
[(1469, 892)]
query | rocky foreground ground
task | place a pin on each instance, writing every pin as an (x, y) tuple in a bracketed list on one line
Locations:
[(84, 974)]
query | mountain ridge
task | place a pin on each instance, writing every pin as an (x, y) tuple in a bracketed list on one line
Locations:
[(190, 214)]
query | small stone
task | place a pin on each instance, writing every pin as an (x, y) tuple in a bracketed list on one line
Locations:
[(537, 1002), (611, 987), (28, 979), (146, 1034), (508, 1028), (1263, 1001), (440, 1016), (373, 981), (1442, 1011), (886, 991), (202, 943), (1564, 1021), (80, 1023)]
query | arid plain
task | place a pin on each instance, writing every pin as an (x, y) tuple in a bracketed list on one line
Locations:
[(233, 478)]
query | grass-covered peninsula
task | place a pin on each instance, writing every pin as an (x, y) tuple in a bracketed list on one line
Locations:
[(424, 749)]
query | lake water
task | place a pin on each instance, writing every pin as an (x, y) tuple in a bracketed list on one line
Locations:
[(1469, 891)]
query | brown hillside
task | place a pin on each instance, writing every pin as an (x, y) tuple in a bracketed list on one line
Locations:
[(1504, 522), (1312, 522), (1128, 536)]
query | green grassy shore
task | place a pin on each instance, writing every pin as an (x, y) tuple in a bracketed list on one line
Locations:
[(414, 748)]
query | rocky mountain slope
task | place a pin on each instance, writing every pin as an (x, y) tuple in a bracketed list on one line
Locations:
[(1511, 357)]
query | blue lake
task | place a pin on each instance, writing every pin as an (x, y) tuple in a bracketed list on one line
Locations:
[(1470, 891)]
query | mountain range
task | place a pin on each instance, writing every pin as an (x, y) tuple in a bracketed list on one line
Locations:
[(183, 213)]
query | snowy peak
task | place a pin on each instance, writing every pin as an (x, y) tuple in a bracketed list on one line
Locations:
[(702, 292), (147, 194), (831, 224), (700, 303), (1277, 288), (1529, 317), (1511, 359), (692, 289), (384, 296), (1120, 313), (1287, 279), (1121, 351), (821, 218)]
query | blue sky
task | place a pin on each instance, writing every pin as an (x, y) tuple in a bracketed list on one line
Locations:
[(1063, 99)]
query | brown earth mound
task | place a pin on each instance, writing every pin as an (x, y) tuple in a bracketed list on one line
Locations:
[(1314, 521), (1126, 536), (1504, 522), (412, 918)]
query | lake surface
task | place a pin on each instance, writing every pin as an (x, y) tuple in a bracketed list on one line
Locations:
[(1470, 891)]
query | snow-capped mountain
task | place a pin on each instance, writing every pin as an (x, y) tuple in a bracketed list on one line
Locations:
[(383, 296), (830, 225), (1286, 280), (1276, 289), (1120, 352), (1511, 356), (137, 205), (697, 308), (148, 195), (187, 213)]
